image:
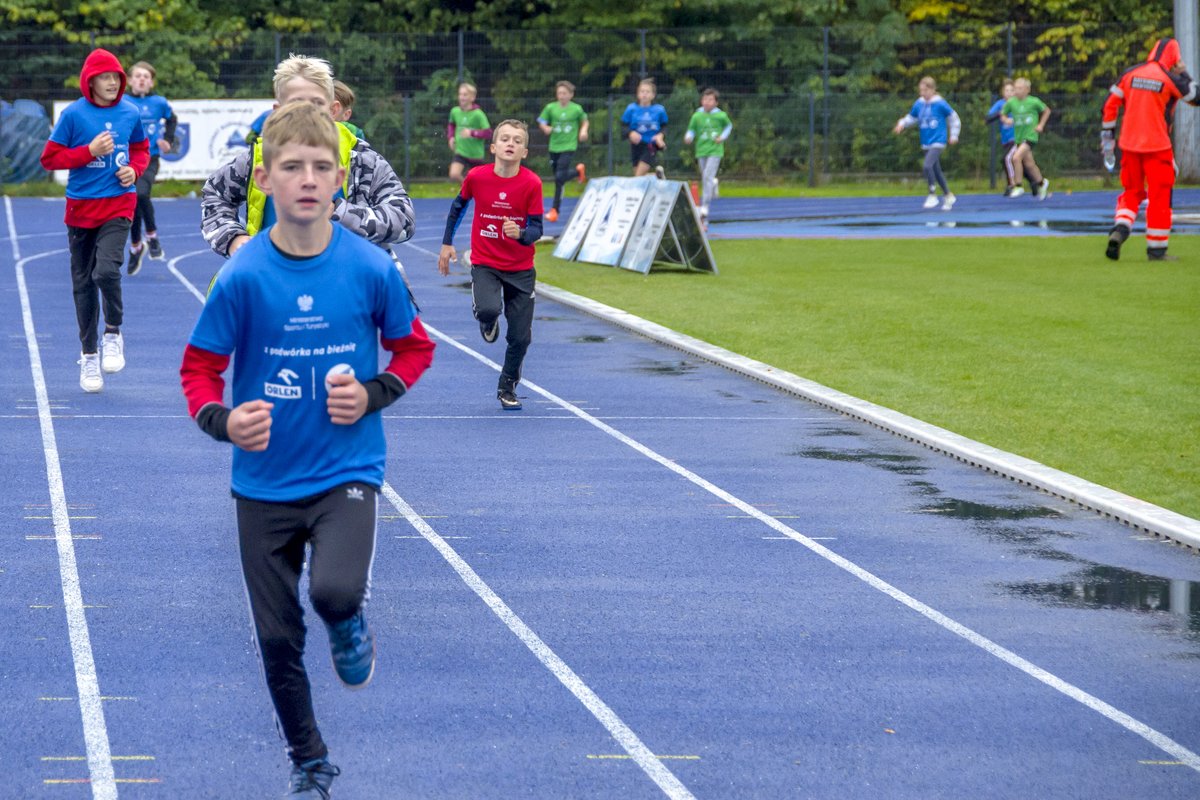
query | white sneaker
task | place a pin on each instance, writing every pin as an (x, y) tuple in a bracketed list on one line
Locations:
[(703, 211), (948, 202), (1017, 191), (112, 351), (931, 201), (1043, 189), (90, 378)]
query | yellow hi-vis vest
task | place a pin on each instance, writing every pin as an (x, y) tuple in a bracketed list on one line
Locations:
[(256, 201)]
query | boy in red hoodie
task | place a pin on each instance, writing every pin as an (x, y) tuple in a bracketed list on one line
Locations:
[(100, 139)]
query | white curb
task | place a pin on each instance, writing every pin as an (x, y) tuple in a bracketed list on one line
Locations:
[(1133, 512)]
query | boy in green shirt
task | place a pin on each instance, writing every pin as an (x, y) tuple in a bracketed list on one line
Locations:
[(709, 128), (1028, 117), (566, 123), (467, 133)]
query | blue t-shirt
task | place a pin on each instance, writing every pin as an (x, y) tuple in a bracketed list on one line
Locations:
[(155, 111), (287, 321), (646, 120), (83, 121), (1006, 131), (934, 117)]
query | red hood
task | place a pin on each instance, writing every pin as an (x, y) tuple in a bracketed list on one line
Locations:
[(100, 61), (1165, 52)]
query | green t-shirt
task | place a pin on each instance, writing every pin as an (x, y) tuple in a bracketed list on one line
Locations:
[(565, 124), (706, 126), (469, 146), (1025, 114)]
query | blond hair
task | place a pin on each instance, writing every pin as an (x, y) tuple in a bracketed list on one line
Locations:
[(314, 70), (143, 65), (1023, 82), (513, 123), (928, 81), (343, 94), (299, 122)]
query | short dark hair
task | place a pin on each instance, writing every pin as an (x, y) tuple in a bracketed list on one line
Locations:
[(711, 91), (570, 87)]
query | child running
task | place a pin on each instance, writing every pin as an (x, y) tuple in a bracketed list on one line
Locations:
[(643, 123), (467, 132), (566, 123), (304, 307), (709, 127), (1006, 133), (939, 127), (507, 224), (1028, 117), (159, 122), (100, 139)]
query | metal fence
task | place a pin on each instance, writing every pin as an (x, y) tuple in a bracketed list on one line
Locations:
[(807, 103)]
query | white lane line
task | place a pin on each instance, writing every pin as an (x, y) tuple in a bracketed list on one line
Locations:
[(1159, 740), (95, 731), (641, 754), (188, 284), (625, 737)]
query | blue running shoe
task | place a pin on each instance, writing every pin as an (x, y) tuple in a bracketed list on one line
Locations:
[(353, 649), (312, 779)]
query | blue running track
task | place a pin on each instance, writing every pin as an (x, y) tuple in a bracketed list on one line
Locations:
[(658, 579)]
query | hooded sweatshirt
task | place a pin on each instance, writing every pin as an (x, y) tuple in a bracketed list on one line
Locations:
[(94, 194), (1148, 93)]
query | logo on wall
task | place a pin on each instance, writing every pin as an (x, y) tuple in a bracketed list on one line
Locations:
[(227, 141), (181, 143)]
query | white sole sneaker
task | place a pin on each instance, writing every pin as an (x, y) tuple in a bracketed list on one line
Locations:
[(91, 379), (931, 201), (112, 353)]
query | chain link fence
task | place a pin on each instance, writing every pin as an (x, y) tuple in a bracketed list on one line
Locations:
[(808, 104)]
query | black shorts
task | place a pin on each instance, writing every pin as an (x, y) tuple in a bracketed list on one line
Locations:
[(644, 151), (469, 163), (1027, 143)]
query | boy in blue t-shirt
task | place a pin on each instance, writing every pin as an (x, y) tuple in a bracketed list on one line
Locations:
[(305, 307), (939, 126), (99, 138), (643, 123), (159, 122), (995, 115)]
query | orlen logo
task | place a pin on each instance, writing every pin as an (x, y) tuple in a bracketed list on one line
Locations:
[(285, 390), (490, 232), (305, 303)]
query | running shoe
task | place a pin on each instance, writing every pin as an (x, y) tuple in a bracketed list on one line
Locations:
[(134, 264), (1159, 254), (508, 400), (312, 779), (490, 331), (353, 650), (156, 251), (948, 202), (90, 377), (112, 352), (931, 201), (552, 215), (1043, 189), (660, 173), (1016, 191), (1116, 238), (581, 171)]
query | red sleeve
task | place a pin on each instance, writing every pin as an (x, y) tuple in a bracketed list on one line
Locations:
[(139, 156), (201, 377), (411, 355), (481, 133), (450, 129), (57, 156), (1111, 107)]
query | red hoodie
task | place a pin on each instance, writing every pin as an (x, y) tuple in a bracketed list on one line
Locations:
[(94, 212), (1148, 93)]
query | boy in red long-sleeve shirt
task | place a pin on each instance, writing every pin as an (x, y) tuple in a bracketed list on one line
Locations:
[(1147, 93), (100, 139)]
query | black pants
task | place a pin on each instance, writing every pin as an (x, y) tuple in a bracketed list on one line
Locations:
[(564, 170), (494, 291), (144, 211), (338, 527), (96, 257)]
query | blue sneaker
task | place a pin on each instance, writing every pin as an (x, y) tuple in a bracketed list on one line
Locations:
[(353, 649), (312, 779)]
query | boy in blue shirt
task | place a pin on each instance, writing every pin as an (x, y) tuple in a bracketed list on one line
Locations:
[(939, 126), (305, 307), (99, 138), (995, 115), (159, 122), (643, 123)]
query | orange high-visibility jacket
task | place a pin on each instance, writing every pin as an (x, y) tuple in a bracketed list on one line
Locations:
[(1148, 93)]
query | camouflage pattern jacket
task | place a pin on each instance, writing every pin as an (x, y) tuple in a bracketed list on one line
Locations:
[(376, 207)]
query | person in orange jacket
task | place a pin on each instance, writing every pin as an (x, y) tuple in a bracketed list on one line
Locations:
[(1147, 93)]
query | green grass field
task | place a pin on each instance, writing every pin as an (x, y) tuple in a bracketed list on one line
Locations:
[(1038, 346)]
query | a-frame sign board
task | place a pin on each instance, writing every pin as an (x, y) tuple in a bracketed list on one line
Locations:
[(633, 223)]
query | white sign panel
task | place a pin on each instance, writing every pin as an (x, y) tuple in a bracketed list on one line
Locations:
[(615, 215), (650, 226), (581, 219), (209, 135)]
